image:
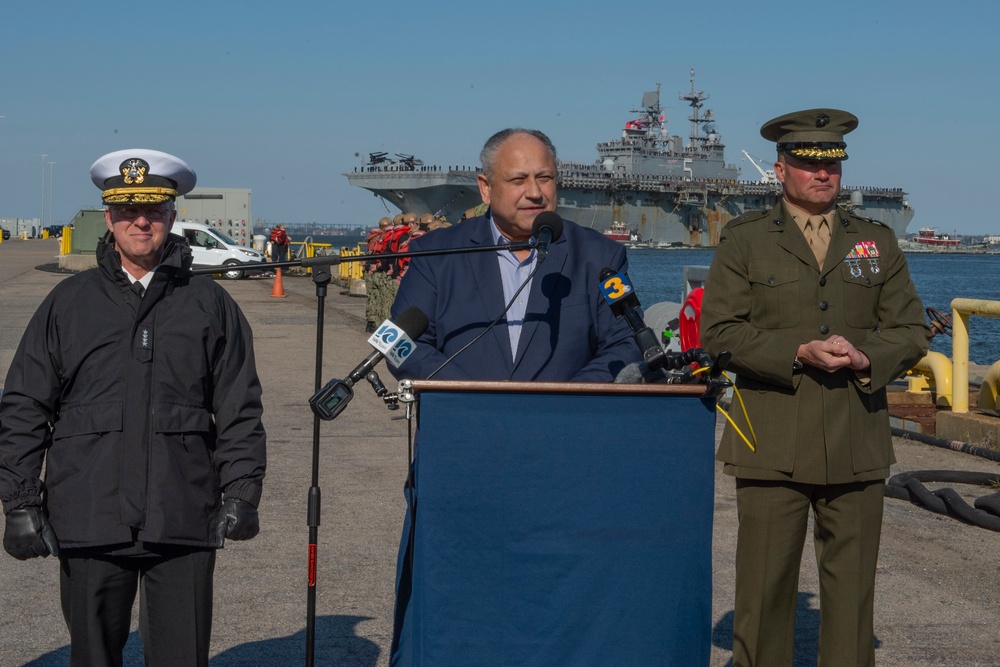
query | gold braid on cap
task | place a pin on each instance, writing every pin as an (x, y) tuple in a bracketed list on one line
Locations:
[(819, 153), (819, 150), (151, 195)]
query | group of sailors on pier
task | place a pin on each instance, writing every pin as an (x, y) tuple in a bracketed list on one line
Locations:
[(382, 276)]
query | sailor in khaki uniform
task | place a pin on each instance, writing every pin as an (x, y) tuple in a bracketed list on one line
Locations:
[(818, 309)]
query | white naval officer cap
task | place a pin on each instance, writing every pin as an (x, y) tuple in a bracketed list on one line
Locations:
[(141, 176)]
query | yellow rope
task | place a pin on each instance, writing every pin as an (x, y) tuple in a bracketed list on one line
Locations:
[(736, 392)]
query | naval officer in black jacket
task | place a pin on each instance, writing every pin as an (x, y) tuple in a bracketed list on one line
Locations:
[(135, 386)]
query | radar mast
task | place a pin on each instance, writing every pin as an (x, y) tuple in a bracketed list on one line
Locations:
[(696, 100)]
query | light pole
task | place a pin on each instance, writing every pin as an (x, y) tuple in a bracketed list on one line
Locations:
[(52, 170), (41, 220)]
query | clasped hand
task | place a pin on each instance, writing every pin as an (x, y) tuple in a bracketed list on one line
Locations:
[(832, 354)]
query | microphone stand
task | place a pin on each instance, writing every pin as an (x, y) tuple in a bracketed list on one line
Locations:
[(321, 278), (320, 266)]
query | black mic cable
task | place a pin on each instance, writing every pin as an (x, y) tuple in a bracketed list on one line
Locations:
[(546, 228), (492, 324), (550, 225)]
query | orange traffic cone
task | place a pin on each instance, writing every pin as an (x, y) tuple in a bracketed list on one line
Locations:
[(279, 288)]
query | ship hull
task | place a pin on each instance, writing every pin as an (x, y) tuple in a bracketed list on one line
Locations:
[(939, 244), (447, 193), (686, 219), (665, 212)]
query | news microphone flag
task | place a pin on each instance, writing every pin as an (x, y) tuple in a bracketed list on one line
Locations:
[(617, 290), (393, 342)]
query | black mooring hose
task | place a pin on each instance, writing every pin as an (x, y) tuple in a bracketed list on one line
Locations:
[(909, 485), (955, 445)]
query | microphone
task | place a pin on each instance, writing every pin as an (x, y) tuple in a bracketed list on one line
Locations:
[(620, 296), (547, 228), (656, 363), (392, 341)]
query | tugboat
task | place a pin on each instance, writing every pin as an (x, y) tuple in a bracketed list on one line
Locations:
[(648, 180), (928, 236), (619, 232)]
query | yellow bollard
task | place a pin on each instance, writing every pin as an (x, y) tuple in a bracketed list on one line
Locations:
[(939, 368), (990, 388)]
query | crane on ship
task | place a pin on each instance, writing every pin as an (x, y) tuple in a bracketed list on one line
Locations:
[(766, 176)]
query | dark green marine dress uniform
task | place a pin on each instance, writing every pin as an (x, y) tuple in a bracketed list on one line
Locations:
[(771, 296), (821, 437)]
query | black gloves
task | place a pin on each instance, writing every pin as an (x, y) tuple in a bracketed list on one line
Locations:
[(238, 520), (29, 535)]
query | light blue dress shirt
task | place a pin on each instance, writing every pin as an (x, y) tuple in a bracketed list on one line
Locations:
[(512, 273)]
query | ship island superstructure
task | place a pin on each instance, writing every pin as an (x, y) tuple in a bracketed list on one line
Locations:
[(649, 181)]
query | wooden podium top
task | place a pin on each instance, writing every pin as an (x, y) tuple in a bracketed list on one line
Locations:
[(559, 387)]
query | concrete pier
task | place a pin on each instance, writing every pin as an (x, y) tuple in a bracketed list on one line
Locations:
[(937, 598)]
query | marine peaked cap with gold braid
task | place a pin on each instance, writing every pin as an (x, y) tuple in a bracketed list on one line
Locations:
[(141, 176), (814, 134)]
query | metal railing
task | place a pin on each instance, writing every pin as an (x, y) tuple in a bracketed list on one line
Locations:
[(962, 310), (346, 270), (349, 270)]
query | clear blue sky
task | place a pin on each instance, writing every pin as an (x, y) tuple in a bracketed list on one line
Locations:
[(283, 97)]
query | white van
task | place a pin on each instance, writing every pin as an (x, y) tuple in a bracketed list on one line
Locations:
[(209, 247)]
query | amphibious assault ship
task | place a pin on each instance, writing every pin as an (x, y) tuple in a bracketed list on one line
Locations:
[(664, 192)]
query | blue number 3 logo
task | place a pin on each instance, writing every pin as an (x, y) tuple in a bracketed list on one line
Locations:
[(616, 288)]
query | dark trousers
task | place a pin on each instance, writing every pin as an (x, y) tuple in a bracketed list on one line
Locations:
[(847, 528), (175, 609)]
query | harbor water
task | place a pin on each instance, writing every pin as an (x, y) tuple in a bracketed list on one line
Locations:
[(939, 277)]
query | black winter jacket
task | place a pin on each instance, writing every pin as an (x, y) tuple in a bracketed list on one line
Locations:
[(143, 410)]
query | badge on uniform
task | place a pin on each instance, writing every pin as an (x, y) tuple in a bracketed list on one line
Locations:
[(862, 250), (144, 343)]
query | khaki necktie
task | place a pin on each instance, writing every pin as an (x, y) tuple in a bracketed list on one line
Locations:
[(817, 232)]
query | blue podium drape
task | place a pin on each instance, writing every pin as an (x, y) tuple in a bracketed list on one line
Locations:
[(560, 529)]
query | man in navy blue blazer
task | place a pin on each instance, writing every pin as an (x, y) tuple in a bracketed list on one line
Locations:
[(559, 328)]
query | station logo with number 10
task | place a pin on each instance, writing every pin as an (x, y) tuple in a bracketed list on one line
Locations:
[(393, 342)]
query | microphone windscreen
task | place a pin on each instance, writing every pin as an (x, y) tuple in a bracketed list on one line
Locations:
[(631, 374), (548, 219), (413, 322), (638, 373)]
